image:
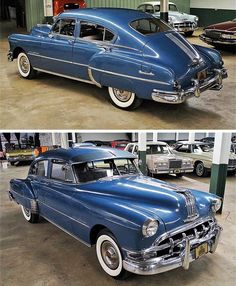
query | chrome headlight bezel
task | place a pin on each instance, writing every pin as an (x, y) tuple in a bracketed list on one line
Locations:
[(150, 227), (196, 18), (216, 205)]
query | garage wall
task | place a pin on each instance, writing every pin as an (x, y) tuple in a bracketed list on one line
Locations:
[(34, 13), (213, 11), (183, 5)]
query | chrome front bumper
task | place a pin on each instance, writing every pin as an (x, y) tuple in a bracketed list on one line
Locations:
[(160, 264), (214, 83), (173, 171), (218, 41)]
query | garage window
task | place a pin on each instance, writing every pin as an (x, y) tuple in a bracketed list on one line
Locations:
[(93, 32), (150, 26)]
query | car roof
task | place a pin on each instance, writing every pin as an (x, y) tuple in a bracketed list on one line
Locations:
[(192, 142), (111, 15), (154, 3), (152, 143), (85, 154)]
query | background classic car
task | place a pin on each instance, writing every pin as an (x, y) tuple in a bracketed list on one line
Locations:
[(117, 48), (139, 224), (60, 6), (202, 155), (161, 160), (181, 22), (220, 34)]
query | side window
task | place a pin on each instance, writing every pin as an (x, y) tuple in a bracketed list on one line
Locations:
[(64, 27), (94, 32), (39, 169), (184, 148), (141, 8), (61, 171), (136, 150), (149, 9), (130, 148)]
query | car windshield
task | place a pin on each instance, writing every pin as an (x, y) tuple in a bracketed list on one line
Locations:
[(92, 171), (150, 26), (205, 147), (158, 149), (172, 7)]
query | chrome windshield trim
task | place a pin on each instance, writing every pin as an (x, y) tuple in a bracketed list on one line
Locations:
[(66, 76), (129, 76)]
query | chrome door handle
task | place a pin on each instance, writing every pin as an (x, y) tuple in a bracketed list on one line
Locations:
[(146, 73)]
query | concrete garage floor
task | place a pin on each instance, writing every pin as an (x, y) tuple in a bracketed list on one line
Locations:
[(50, 102), (42, 254)]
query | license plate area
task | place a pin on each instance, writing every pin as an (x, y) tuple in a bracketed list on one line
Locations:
[(201, 76), (201, 250)]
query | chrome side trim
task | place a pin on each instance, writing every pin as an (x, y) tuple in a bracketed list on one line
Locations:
[(65, 76), (64, 214), (79, 239), (90, 74), (129, 76), (58, 60)]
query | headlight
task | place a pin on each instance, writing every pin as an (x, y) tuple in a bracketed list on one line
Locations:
[(216, 205), (196, 19), (161, 164), (150, 227)]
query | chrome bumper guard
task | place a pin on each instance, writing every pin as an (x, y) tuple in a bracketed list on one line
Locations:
[(214, 83), (161, 264), (10, 56)]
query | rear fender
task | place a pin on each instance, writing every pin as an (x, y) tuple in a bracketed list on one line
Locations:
[(22, 193)]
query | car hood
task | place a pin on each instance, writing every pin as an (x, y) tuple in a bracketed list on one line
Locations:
[(164, 157), (180, 17), (151, 197), (41, 30), (225, 26), (171, 48)]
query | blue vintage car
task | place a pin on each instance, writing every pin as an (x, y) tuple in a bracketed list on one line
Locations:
[(138, 224), (134, 54)]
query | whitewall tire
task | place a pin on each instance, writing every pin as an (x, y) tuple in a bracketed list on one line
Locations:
[(29, 216), (124, 99), (109, 255), (24, 66)]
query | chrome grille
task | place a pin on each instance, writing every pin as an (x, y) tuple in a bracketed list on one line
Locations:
[(175, 164), (232, 162), (184, 25), (173, 244)]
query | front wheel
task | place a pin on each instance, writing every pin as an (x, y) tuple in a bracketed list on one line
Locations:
[(188, 34), (124, 99), (109, 255), (24, 66), (200, 170), (29, 216)]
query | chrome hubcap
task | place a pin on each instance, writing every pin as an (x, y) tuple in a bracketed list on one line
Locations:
[(110, 255), (122, 95), (24, 64), (199, 169)]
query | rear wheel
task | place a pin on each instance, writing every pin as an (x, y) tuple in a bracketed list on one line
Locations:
[(29, 216), (124, 99), (24, 66), (200, 170), (188, 34), (109, 255)]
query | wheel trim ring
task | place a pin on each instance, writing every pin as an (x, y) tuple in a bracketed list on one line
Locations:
[(122, 95), (24, 64), (26, 213), (119, 103), (199, 169)]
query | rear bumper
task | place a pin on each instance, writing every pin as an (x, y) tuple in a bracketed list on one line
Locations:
[(214, 83), (10, 56), (20, 159), (217, 41), (161, 264)]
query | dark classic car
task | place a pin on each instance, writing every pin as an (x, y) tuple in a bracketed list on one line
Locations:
[(221, 34), (138, 224), (134, 54)]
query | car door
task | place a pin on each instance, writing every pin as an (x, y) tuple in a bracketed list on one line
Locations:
[(56, 49), (92, 39)]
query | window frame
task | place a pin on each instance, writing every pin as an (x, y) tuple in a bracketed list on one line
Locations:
[(61, 35), (95, 41), (37, 162), (63, 162)]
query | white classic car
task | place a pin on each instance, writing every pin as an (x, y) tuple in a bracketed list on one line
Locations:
[(161, 159), (182, 22), (202, 154)]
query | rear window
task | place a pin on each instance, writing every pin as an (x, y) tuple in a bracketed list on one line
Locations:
[(149, 26)]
